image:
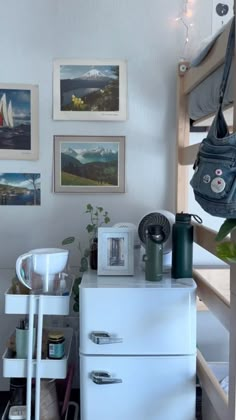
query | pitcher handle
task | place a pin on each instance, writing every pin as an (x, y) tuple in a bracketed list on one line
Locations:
[(19, 268)]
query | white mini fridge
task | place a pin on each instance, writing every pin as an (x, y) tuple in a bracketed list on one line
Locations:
[(137, 348)]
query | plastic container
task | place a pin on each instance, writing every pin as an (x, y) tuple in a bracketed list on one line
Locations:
[(17, 412)]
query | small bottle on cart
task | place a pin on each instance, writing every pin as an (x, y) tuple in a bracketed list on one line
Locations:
[(56, 345)]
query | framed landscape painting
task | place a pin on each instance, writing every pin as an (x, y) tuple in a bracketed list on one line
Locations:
[(89, 90), (89, 164), (18, 121), (20, 189)]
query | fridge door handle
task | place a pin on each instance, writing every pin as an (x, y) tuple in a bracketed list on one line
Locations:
[(104, 378), (102, 337)]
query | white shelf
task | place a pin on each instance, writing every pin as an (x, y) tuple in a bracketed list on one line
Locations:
[(52, 304), (49, 368)]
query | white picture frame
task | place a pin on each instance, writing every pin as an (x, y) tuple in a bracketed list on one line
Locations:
[(115, 251), (89, 89)]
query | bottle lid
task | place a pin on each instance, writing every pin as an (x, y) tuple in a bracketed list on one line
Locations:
[(186, 217), (55, 335), (183, 217)]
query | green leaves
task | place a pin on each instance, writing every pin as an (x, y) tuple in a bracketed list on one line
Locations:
[(76, 307), (89, 208), (68, 241), (98, 217), (83, 264), (227, 251), (90, 228), (225, 229), (76, 285)]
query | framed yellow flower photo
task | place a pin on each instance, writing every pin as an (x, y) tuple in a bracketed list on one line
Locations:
[(89, 90)]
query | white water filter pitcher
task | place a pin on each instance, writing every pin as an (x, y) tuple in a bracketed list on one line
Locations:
[(37, 269)]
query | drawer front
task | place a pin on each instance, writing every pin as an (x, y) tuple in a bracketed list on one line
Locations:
[(137, 321), (153, 388)]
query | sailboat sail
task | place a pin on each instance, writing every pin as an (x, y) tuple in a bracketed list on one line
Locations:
[(6, 114), (10, 115)]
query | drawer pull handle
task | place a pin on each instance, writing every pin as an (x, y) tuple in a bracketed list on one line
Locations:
[(102, 337), (104, 378)]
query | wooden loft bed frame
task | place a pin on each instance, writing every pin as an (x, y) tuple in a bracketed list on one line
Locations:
[(223, 307)]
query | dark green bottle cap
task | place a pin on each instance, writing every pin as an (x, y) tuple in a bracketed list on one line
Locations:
[(186, 217), (183, 217)]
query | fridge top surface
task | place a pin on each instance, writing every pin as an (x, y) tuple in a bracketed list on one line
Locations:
[(92, 280)]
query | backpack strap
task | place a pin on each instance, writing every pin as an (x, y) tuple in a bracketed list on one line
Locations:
[(228, 60)]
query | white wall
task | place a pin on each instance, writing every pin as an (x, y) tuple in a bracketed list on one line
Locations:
[(145, 34)]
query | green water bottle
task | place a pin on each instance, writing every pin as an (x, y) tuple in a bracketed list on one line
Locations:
[(182, 245)]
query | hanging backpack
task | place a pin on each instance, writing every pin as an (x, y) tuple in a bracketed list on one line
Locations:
[(214, 179)]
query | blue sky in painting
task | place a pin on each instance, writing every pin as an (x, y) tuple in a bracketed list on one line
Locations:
[(19, 180), (74, 71), (20, 102)]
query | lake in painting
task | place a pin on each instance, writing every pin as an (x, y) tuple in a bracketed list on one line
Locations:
[(21, 189)]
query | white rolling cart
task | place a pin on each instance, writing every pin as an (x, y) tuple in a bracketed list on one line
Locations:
[(37, 368)]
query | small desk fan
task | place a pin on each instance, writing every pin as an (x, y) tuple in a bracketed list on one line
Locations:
[(165, 219)]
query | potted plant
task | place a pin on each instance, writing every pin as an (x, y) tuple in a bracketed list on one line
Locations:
[(226, 250), (98, 217)]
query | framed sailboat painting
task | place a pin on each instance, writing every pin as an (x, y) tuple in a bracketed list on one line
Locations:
[(19, 121)]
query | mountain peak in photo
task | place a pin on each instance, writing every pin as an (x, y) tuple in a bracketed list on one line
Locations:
[(70, 152), (93, 74)]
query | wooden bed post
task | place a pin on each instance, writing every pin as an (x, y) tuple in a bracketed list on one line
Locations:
[(232, 344), (182, 132)]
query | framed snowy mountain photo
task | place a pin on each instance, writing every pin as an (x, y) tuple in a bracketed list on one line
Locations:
[(19, 121), (89, 164), (93, 90)]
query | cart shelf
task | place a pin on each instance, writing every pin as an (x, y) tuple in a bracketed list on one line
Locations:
[(49, 368), (52, 304)]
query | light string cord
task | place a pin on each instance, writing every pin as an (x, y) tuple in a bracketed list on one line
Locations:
[(186, 26), (186, 32)]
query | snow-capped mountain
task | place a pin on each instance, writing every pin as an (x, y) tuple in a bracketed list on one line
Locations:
[(71, 152), (93, 74)]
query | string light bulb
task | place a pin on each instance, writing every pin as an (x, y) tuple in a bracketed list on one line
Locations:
[(187, 13)]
